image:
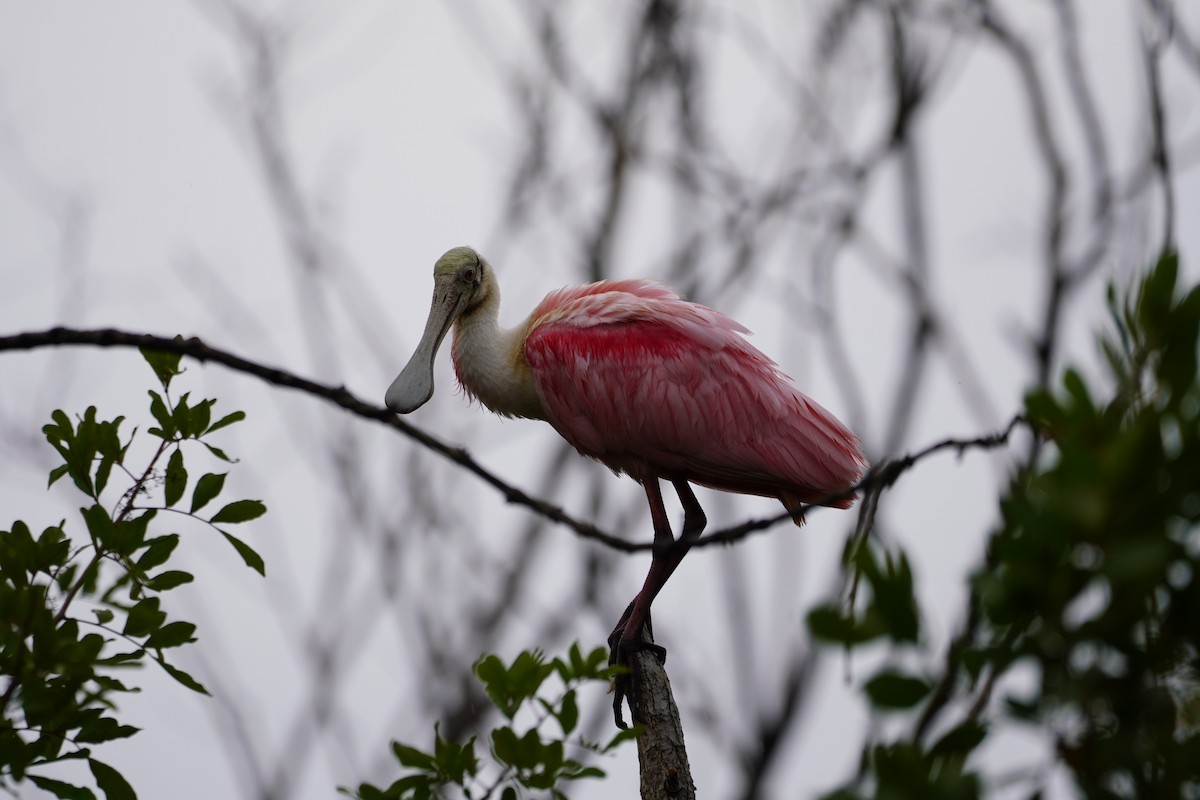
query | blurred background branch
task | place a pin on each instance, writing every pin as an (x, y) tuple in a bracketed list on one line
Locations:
[(916, 206)]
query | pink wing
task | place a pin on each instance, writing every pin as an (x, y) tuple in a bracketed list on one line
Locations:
[(637, 378)]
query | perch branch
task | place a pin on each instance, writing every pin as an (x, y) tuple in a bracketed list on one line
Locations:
[(881, 476)]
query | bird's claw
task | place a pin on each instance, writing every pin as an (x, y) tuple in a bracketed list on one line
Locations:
[(622, 644)]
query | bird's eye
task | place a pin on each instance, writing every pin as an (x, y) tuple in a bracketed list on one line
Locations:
[(468, 276)]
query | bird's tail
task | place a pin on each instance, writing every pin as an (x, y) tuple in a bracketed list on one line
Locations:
[(794, 505)]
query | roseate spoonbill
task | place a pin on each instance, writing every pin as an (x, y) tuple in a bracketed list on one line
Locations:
[(647, 384)]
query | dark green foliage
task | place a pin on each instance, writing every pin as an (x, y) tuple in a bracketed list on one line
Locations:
[(509, 687), (895, 690), (76, 612), (1091, 579), (1094, 573), (525, 758), (890, 612)]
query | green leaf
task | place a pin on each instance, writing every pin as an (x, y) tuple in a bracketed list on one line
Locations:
[(131, 533), (577, 667), (99, 525), (219, 453), (574, 771), (893, 606), (164, 364), (507, 746), (208, 487), (491, 672), (529, 669), (103, 615), (829, 624), (53, 549), (59, 430), (960, 740), (103, 729), (551, 752), (1137, 561), (170, 579), (173, 634), (225, 421), (1076, 387), (489, 668), (176, 478), (102, 473), (182, 415), (239, 511), (201, 414), (117, 659), (620, 737), (568, 718), (454, 761), (158, 408), (182, 677), (248, 554), (158, 550), (57, 473), (413, 757), (66, 791), (509, 688), (526, 752), (109, 443), (366, 791), (144, 618), (894, 690), (410, 787), (111, 782), (17, 553), (113, 685)]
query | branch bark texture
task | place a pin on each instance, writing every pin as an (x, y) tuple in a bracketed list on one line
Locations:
[(662, 757)]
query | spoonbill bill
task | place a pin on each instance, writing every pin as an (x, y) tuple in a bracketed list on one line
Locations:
[(649, 385)]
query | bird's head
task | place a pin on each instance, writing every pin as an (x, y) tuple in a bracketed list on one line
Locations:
[(461, 281)]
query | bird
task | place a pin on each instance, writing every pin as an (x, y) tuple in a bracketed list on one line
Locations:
[(650, 385)]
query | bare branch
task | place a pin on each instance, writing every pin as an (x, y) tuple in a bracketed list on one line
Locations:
[(337, 395), (878, 478), (665, 773)]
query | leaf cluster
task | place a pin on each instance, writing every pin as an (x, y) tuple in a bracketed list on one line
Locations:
[(525, 758), (76, 611), (1091, 580), (890, 614), (1094, 572)]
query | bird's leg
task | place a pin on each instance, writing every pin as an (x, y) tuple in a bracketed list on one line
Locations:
[(693, 525), (667, 555), (628, 633)]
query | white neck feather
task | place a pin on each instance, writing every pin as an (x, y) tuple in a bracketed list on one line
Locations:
[(490, 361)]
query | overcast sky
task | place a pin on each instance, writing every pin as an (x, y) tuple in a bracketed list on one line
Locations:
[(129, 197)]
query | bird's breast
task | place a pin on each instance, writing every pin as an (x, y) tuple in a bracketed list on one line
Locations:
[(493, 370)]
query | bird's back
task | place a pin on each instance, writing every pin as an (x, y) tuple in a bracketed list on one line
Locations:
[(637, 378)]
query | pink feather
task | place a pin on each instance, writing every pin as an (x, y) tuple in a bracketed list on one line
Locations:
[(648, 383)]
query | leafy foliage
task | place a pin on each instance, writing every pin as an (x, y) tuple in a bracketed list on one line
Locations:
[(1091, 580), (526, 758), (77, 611)]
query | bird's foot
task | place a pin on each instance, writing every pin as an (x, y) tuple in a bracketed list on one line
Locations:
[(623, 643)]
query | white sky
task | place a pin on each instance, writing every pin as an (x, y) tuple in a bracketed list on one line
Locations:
[(117, 113)]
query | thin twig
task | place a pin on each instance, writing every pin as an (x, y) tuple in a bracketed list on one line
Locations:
[(882, 476), (337, 395)]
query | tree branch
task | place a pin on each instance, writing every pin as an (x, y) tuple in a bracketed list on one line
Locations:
[(337, 395), (662, 756), (879, 477)]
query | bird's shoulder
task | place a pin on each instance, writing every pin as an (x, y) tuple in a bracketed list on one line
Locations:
[(597, 308), (602, 302)]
